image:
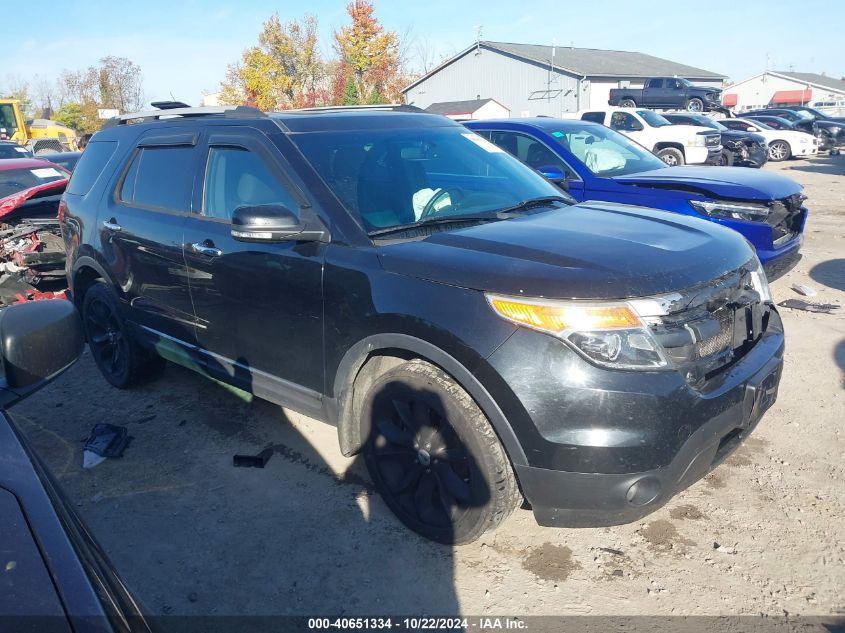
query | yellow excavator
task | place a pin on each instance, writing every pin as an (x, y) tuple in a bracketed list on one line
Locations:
[(40, 136)]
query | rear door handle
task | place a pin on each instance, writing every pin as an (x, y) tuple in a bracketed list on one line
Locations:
[(206, 248), (112, 225)]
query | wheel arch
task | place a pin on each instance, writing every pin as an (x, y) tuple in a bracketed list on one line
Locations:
[(373, 355), (86, 271), (669, 145)]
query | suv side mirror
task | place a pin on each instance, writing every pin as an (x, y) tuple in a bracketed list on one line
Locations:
[(38, 341), (272, 223)]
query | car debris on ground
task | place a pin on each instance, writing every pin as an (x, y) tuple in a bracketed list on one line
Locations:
[(809, 306), (106, 441)]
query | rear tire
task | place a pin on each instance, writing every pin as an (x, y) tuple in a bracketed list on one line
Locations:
[(121, 360), (671, 156), (434, 457), (627, 103), (779, 150)]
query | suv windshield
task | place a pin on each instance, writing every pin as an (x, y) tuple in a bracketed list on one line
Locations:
[(606, 152), (391, 178), (653, 119)]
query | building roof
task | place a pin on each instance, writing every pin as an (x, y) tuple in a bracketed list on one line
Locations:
[(814, 78), (458, 107), (589, 62)]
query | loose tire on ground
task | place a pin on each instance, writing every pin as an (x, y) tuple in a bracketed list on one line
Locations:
[(434, 456), (121, 360), (671, 156)]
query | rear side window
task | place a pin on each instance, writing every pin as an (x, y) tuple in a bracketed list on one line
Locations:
[(90, 166), (159, 177)]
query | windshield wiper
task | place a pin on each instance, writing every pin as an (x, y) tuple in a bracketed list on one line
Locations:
[(448, 219), (532, 203)]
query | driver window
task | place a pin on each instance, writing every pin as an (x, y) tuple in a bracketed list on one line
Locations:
[(236, 177), (531, 152)]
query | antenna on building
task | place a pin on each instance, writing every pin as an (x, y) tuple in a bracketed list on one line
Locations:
[(478, 30)]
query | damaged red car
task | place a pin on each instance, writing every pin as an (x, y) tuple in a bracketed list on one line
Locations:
[(32, 257)]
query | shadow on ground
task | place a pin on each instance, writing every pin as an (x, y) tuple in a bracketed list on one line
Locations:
[(831, 273), (191, 534), (833, 165)]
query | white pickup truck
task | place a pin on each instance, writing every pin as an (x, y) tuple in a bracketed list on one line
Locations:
[(674, 144)]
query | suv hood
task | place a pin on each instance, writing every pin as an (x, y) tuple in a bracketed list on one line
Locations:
[(683, 133), (588, 251), (723, 182)]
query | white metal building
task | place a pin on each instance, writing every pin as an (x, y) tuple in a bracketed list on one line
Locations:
[(533, 80), (778, 87)]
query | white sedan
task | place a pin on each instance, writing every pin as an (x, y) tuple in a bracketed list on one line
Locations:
[(783, 144)]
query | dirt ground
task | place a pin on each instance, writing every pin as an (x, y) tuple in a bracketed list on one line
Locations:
[(762, 535)]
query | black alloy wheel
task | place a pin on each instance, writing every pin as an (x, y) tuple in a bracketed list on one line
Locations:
[(434, 457)]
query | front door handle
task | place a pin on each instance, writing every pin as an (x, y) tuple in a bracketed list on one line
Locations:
[(206, 248), (112, 225)]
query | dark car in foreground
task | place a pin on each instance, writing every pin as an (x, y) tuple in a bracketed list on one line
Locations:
[(668, 92), (739, 148), (593, 162), (393, 273), (53, 575), (830, 131)]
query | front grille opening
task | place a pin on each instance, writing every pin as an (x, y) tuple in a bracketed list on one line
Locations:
[(726, 446)]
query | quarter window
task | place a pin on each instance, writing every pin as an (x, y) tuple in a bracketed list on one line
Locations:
[(159, 177), (236, 177)]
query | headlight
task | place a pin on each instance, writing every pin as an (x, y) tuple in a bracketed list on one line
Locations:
[(760, 282), (609, 334), (699, 141), (805, 138), (731, 210)]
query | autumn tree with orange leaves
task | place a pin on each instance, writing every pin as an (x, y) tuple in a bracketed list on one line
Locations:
[(286, 70), (369, 55)]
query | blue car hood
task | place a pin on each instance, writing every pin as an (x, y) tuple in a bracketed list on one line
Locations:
[(722, 182), (593, 250)]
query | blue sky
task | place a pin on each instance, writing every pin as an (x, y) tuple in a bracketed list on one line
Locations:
[(184, 46)]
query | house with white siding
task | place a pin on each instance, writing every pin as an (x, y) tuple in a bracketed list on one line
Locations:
[(532, 80)]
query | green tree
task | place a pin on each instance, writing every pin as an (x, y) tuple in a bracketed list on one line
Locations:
[(350, 92), (70, 114)]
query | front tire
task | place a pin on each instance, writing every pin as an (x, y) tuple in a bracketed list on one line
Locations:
[(434, 456), (726, 159), (779, 150), (695, 105), (671, 156), (121, 360)]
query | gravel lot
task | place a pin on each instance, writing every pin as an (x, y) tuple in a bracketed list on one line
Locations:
[(762, 534)]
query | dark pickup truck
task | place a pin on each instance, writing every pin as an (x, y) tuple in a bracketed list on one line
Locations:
[(668, 92)]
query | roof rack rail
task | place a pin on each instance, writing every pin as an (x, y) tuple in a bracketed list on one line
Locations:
[(174, 109), (396, 107)]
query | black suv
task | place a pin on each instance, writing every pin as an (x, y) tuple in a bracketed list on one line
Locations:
[(399, 276)]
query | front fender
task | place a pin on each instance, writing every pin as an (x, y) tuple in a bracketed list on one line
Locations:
[(339, 408)]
